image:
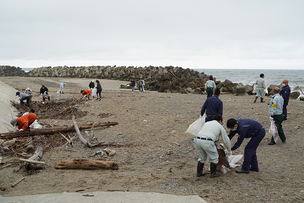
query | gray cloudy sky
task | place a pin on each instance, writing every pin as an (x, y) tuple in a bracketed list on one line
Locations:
[(186, 33)]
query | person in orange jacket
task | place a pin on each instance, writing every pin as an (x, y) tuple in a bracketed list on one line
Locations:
[(25, 121), (86, 94)]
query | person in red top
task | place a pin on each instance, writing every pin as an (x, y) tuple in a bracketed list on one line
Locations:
[(86, 94), (24, 122)]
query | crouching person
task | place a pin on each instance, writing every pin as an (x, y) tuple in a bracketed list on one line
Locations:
[(205, 145), (247, 128), (25, 121), (86, 94), (44, 92)]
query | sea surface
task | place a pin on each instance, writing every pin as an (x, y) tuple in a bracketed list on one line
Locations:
[(249, 76)]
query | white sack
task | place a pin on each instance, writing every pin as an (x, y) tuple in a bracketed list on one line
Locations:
[(196, 126)]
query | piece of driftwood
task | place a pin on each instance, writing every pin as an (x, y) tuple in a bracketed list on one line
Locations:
[(89, 164), (84, 141), (51, 131), (16, 183), (32, 161)]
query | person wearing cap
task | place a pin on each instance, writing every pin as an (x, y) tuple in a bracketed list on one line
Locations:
[(247, 128), (25, 121), (61, 86), (213, 105), (205, 146), (44, 92), (285, 93), (86, 94), (23, 97)]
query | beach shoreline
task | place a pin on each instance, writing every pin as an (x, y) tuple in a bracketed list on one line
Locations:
[(155, 123)]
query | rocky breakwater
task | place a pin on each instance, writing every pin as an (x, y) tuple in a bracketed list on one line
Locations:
[(162, 79), (11, 71)]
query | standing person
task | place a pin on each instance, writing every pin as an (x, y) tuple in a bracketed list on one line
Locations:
[(212, 106), (260, 83), (276, 112), (210, 85), (86, 94), (205, 146), (247, 128), (29, 92), (285, 93), (132, 84), (143, 86), (61, 86), (140, 85), (91, 85), (25, 121), (99, 89), (23, 97), (44, 92)]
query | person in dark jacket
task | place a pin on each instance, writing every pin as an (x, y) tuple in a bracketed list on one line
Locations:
[(213, 106), (99, 89), (44, 91), (132, 84), (285, 93), (247, 128)]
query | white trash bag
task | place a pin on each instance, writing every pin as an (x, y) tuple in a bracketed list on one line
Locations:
[(196, 126), (273, 130)]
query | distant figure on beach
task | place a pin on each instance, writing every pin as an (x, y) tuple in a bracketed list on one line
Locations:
[(140, 86), (61, 86), (86, 94), (276, 112), (91, 85), (132, 84), (212, 106), (285, 93), (210, 86), (260, 84), (23, 97), (99, 89), (205, 146), (25, 121), (44, 92)]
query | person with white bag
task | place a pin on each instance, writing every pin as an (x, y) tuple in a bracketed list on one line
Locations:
[(247, 128), (205, 146)]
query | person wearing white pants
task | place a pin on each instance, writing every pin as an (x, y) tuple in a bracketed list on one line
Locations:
[(205, 146)]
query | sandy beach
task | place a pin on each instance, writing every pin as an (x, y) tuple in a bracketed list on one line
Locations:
[(150, 125)]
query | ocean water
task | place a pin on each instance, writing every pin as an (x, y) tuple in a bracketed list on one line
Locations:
[(249, 76)]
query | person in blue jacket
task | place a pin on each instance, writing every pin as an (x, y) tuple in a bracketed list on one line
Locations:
[(247, 128), (285, 93), (213, 106)]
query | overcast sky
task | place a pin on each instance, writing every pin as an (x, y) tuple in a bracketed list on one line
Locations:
[(185, 33)]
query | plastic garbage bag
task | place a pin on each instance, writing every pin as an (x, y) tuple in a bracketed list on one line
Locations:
[(233, 159), (273, 130), (196, 126), (93, 93)]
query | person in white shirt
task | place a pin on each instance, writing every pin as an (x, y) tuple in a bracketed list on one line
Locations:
[(260, 84), (205, 145)]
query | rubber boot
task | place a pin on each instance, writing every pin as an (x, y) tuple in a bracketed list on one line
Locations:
[(213, 167), (262, 100), (200, 167), (255, 100)]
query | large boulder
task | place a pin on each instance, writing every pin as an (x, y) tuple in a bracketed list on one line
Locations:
[(294, 95), (239, 89), (271, 88), (249, 89)]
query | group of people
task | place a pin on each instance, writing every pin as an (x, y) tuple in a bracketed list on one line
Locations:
[(212, 109), (140, 84), (91, 91)]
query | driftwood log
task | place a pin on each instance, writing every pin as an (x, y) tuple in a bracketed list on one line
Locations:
[(51, 131), (31, 163), (89, 164)]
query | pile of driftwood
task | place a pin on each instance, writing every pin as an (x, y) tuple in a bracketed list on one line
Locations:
[(23, 142)]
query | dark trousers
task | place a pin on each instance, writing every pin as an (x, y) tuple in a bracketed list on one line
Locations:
[(209, 118), (250, 157), (278, 119), (285, 111), (27, 100), (98, 93), (209, 92)]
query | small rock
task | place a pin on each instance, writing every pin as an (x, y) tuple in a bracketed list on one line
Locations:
[(5, 149), (120, 133), (173, 131)]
